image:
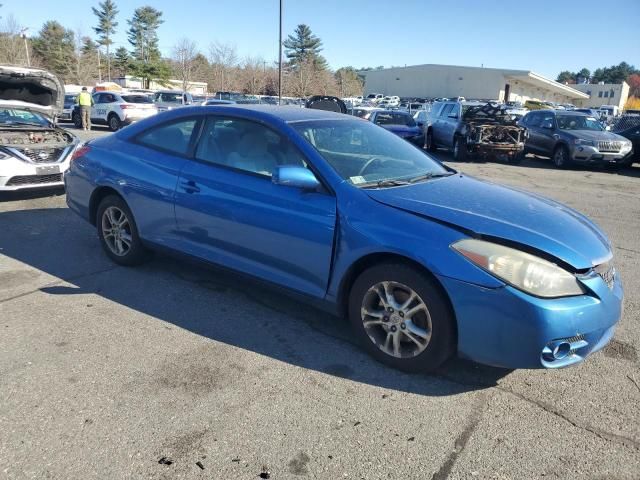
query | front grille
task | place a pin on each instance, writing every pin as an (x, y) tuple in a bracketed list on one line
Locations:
[(607, 272), (42, 155), (34, 179), (609, 146)]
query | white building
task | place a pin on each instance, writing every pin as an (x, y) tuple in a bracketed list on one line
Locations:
[(604, 94), (449, 81), (129, 81)]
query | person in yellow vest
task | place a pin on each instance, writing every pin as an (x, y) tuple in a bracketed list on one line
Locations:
[(85, 100)]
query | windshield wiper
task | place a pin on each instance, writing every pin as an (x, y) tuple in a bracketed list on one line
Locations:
[(384, 183), (23, 124), (429, 176)]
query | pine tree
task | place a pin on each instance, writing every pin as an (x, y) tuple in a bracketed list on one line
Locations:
[(54, 47), (303, 47), (106, 27), (143, 37), (122, 61)]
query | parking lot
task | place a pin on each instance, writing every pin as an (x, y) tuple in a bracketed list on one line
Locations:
[(173, 370)]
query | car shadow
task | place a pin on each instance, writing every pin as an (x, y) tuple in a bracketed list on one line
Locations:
[(217, 305)]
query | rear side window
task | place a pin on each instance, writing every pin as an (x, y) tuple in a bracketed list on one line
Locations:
[(172, 137)]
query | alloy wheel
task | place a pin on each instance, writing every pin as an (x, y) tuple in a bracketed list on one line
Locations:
[(116, 231), (396, 319), (558, 158)]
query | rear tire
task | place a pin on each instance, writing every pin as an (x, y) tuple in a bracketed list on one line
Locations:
[(118, 232), (427, 318), (561, 156), (428, 142)]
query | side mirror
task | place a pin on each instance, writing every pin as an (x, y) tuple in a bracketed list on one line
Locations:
[(295, 176), (548, 125)]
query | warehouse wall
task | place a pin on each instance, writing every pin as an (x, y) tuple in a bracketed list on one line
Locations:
[(454, 81), (436, 81), (616, 94)]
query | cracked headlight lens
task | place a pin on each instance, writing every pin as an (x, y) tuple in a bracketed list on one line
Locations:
[(524, 271)]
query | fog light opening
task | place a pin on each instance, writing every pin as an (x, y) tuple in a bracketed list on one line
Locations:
[(561, 350)]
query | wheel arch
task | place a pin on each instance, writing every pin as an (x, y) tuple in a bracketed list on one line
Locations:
[(372, 259), (96, 197)]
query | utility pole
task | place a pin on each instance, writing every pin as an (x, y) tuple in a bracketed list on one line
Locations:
[(99, 69), (280, 59), (23, 34)]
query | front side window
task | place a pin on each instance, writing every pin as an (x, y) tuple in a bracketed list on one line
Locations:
[(245, 145), (365, 155), (446, 110), (173, 137)]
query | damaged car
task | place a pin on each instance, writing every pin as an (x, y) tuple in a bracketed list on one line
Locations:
[(475, 129), (34, 152)]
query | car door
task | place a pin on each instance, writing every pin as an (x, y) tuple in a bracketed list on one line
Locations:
[(440, 125), (450, 124), (548, 134), (229, 212), (149, 168), (532, 122), (97, 107)]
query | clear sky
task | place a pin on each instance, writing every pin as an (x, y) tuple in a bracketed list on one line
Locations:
[(543, 36)]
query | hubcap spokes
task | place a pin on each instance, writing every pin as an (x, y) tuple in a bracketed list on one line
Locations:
[(396, 319), (116, 231)]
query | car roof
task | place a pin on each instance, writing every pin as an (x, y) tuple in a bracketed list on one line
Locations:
[(399, 112), (286, 113)]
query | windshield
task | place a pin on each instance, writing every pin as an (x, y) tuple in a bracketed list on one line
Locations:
[(364, 155), (578, 122), (69, 99), (395, 119), (13, 116), (137, 98), (164, 97)]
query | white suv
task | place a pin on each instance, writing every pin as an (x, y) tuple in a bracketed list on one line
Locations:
[(117, 110)]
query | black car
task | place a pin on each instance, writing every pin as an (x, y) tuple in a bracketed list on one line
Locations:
[(628, 126), (567, 136)]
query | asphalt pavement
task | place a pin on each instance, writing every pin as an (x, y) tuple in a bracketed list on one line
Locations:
[(173, 370)]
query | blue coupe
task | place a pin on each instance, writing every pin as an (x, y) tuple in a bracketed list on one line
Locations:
[(424, 261)]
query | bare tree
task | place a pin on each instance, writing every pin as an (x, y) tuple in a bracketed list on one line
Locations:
[(85, 70), (223, 58), (184, 55), (253, 75), (12, 45)]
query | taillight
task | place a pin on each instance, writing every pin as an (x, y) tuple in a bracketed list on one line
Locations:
[(124, 106), (80, 151)]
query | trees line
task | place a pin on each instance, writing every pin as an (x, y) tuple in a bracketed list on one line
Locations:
[(82, 59)]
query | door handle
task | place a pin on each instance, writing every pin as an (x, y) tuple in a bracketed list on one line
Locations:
[(190, 186)]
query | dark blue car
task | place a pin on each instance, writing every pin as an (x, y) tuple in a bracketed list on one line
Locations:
[(400, 123), (424, 261)]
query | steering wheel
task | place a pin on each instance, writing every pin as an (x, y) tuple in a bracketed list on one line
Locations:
[(370, 162)]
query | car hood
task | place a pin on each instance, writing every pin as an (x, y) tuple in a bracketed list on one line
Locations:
[(596, 135), (491, 210), (31, 89)]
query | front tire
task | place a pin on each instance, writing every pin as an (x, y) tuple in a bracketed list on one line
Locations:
[(401, 318), (118, 232), (460, 153), (561, 156), (114, 123), (77, 120)]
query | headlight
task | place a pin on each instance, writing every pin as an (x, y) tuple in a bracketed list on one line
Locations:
[(522, 270), (580, 141), (626, 147)]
